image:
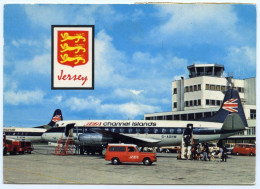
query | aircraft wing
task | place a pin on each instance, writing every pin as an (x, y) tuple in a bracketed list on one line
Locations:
[(126, 138)]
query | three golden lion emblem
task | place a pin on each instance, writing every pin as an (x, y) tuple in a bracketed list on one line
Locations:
[(75, 49)]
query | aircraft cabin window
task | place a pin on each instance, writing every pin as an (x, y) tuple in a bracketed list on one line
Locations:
[(138, 130), (130, 130), (106, 129), (164, 130), (113, 130), (156, 130), (146, 130), (122, 130), (171, 131), (179, 131)]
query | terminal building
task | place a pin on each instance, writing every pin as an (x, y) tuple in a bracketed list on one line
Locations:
[(201, 95)]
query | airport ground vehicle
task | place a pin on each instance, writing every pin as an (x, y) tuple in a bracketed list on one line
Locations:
[(15, 146), (169, 149), (229, 147), (244, 149), (117, 153)]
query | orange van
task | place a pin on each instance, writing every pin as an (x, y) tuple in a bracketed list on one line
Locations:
[(118, 153), (245, 149)]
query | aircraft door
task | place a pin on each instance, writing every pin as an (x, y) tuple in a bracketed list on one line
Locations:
[(69, 130)]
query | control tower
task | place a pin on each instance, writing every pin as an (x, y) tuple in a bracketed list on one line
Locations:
[(197, 70)]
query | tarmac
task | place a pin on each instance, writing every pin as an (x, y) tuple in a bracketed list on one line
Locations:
[(43, 167)]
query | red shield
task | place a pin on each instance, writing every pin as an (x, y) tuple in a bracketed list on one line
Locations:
[(73, 48)]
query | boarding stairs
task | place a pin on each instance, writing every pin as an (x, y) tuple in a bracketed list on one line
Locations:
[(184, 149), (65, 146)]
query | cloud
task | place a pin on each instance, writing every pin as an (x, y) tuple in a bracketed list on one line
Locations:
[(47, 15), (23, 42), (129, 110), (125, 110), (201, 23), (39, 64), (109, 62), (136, 92), (242, 59), (23, 97), (79, 104)]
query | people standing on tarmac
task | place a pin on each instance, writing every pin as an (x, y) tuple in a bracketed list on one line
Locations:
[(220, 152), (224, 154), (194, 152), (205, 152), (189, 152)]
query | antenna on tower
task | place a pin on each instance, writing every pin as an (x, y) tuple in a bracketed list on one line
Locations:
[(229, 78)]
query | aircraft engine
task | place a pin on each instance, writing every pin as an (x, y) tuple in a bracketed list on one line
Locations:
[(94, 138)]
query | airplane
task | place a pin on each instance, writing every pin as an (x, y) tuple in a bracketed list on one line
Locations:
[(31, 134), (90, 134)]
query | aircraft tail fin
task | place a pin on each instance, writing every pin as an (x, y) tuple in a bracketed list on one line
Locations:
[(231, 105), (57, 116)]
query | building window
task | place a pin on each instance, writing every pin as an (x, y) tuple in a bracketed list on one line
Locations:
[(191, 88), (191, 103), (175, 91), (190, 116), (186, 103), (207, 114), (195, 88), (252, 114), (195, 102), (207, 102), (223, 88), (186, 89), (240, 89), (218, 87), (212, 87), (213, 102), (207, 86), (169, 117), (183, 116), (198, 115), (199, 102), (218, 102), (199, 87), (175, 105), (176, 117)]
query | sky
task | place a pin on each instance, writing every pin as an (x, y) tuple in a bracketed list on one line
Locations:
[(139, 51)]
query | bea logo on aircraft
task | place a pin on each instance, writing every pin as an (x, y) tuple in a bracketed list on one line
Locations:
[(230, 105)]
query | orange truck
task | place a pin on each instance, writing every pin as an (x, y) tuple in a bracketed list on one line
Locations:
[(14, 146), (118, 153)]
